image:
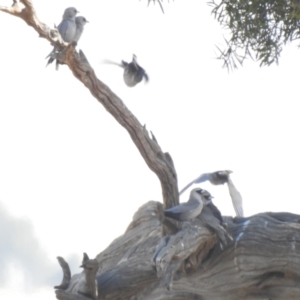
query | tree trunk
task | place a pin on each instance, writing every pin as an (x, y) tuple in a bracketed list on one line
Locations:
[(157, 258), (261, 262)]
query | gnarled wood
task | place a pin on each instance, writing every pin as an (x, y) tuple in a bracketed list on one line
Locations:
[(262, 261), (90, 267), (66, 274)]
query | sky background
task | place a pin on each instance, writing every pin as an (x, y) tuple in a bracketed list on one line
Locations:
[(71, 177)]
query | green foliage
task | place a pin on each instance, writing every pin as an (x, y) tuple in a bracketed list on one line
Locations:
[(258, 29)]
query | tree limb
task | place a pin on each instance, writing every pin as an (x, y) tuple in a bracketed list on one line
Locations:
[(66, 274), (262, 262), (155, 158)]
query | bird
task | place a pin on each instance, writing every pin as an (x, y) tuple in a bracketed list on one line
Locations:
[(218, 178), (67, 29), (190, 209), (80, 23), (133, 72), (215, 178)]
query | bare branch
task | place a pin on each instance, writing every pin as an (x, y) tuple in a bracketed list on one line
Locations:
[(66, 274), (262, 262), (78, 63)]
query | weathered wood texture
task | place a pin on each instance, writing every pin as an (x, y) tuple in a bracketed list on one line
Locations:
[(262, 261), (158, 161)]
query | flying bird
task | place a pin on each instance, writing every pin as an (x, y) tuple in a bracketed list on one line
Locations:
[(133, 72), (218, 178), (190, 209), (67, 30)]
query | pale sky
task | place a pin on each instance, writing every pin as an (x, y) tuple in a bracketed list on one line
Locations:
[(71, 177)]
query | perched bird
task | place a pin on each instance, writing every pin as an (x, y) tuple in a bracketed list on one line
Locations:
[(66, 28), (190, 209), (210, 216), (218, 178), (133, 72), (80, 23)]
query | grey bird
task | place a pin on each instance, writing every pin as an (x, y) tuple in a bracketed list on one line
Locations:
[(218, 178), (66, 28), (133, 72), (190, 209), (80, 23)]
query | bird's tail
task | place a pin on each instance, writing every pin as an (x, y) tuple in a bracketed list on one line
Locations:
[(107, 61)]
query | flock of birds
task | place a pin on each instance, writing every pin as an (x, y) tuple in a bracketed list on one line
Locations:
[(71, 29), (200, 198)]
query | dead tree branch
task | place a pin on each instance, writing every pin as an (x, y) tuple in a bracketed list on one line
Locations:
[(158, 161), (261, 262)]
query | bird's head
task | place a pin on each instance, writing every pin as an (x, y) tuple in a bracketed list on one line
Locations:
[(198, 191), (206, 196), (224, 174), (81, 21), (70, 12)]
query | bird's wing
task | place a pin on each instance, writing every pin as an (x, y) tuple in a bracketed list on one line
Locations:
[(186, 187), (79, 31), (236, 198), (146, 76), (67, 30), (185, 211), (107, 61), (210, 220), (215, 211), (184, 207), (62, 28), (201, 178)]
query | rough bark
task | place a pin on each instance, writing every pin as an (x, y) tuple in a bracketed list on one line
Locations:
[(159, 162), (261, 262), (162, 259)]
